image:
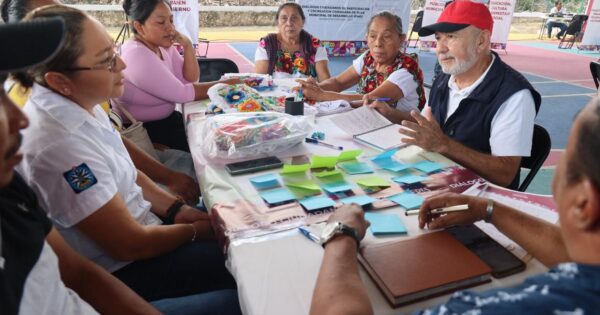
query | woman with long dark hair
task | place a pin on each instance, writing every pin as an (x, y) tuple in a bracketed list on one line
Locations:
[(292, 51), (157, 76), (109, 212)]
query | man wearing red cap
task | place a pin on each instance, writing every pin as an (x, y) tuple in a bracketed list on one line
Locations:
[(480, 111)]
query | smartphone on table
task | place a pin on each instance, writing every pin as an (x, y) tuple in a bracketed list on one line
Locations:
[(252, 166)]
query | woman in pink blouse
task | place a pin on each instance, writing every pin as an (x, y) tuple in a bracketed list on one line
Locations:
[(157, 76)]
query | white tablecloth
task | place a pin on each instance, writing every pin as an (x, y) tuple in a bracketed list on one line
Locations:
[(276, 274)]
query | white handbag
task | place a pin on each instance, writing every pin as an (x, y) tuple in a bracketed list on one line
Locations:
[(136, 132)]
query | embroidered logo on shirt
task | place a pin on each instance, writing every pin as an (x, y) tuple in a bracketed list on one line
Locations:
[(80, 178)]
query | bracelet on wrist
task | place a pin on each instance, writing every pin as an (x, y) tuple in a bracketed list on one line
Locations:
[(489, 210), (173, 210), (195, 233)]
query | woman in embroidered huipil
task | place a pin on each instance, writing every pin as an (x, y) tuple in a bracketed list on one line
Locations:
[(383, 71), (291, 52)]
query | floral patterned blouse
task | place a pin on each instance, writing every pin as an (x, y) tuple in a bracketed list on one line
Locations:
[(370, 79), (294, 63)]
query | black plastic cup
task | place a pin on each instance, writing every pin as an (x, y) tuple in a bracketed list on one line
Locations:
[(293, 107)]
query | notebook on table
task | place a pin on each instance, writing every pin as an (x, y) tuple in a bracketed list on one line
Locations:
[(369, 127), (428, 265)]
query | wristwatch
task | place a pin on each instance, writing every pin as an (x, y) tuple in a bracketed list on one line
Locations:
[(174, 210), (334, 229)]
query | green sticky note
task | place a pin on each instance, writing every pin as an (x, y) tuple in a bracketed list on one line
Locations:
[(349, 155), (327, 174), (293, 169), (323, 161), (373, 181), (305, 187)]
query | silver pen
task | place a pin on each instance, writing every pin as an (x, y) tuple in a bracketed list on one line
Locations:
[(440, 210)]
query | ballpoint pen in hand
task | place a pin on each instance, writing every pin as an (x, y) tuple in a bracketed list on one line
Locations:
[(440, 210)]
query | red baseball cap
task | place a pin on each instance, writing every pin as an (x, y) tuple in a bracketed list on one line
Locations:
[(458, 15)]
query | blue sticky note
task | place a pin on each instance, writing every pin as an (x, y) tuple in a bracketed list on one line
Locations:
[(385, 224), (409, 179), (276, 196), (385, 155), (265, 181), (407, 200), (317, 203), (427, 166), (362, 200), (391, 165), (356, 168), (337, 187)]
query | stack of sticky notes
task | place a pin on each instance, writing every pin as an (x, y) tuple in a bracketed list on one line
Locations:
[(385, 224), (385, 161), (409, 179), (327, 162), (356, 167), (328, 174), (407, 200), (305, 187), (289, 169), (277, 197), (350, 155), (265, 181), (373, 183), (317, 203), (336, 187), (427, 166), (362, 200)]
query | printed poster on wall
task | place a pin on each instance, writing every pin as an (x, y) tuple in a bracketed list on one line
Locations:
[(501, 10), (186, 18), (336, 20), (591, 36)]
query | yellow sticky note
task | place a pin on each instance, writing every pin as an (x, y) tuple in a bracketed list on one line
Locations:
[(327, 174), (373, 181), (349, 155), (293, 169), (306, 187), (323, 161)]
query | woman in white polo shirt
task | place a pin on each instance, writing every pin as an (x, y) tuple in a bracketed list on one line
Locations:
[(78, 166)]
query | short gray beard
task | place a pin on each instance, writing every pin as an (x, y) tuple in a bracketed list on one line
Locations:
[(460, 66)]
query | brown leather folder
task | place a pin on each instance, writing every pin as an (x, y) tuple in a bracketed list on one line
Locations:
[(422, 267)]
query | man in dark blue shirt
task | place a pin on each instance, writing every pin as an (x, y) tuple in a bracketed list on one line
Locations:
[(572, 286)]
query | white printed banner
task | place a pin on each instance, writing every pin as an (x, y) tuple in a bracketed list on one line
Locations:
[(186, 18), (591, 36), (502, 12), (335, 20), (433, 9)]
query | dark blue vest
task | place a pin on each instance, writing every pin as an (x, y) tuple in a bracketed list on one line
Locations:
[(472, 121)]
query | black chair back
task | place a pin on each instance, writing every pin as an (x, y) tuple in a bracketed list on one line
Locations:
[(595, 69), (211, 69), (540, 148), (416, 27), (576, 24)]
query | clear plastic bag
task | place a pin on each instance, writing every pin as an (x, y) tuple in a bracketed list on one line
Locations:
[(247, 135)]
